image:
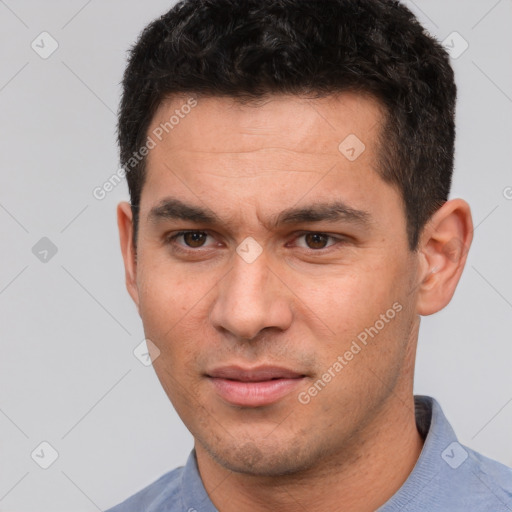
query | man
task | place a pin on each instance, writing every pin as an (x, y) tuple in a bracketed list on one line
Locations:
[(289, 164)]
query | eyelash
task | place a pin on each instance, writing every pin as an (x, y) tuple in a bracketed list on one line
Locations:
[(172, 238)]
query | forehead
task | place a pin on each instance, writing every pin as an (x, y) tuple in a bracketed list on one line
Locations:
[(259, 159), (296, 123)]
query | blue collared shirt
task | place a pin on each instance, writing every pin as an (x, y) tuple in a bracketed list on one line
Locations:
[(447, 477)]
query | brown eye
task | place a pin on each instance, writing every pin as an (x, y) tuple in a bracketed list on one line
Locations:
[(194, 238), (316, 240)]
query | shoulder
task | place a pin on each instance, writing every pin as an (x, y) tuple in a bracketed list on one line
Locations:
[(164, 490), (449, 475), (467, 480), (487, 483)]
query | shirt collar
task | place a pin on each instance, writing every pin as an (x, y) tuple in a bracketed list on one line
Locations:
[(438, 435), (194, 495)]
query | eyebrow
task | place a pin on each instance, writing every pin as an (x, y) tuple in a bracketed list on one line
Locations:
[(333, 211)]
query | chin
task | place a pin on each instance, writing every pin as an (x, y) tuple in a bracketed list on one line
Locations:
[(263, 458)]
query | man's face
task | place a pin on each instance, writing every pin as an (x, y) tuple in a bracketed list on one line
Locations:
[(252, 307)]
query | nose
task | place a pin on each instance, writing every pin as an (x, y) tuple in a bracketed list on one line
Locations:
[(251, 297)]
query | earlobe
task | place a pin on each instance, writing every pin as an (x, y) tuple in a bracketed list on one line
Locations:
[(444, 245), (125, 226)]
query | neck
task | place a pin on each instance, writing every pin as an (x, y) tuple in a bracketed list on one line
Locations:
[(361, 478)]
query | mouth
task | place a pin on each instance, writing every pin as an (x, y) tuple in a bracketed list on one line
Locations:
[(254, 387)]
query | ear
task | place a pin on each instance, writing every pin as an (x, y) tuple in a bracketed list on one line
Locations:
[(443, 249), (125, 225)]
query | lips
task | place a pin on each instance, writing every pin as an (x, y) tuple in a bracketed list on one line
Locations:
[(253, 387), (260, 374)]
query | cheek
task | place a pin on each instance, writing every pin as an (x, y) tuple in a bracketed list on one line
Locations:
[(166, 292), (161, 306), (352, 299), (364, 305), (174, 306), (165, 300)]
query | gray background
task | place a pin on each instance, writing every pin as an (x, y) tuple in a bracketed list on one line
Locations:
[(68, 375)]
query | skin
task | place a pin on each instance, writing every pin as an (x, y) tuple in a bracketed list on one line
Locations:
[(299, 305)]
